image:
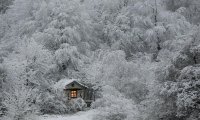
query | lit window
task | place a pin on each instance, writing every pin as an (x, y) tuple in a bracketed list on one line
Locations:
[(73, 93)]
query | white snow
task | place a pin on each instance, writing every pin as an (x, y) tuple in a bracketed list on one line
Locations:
[(62, 83), (83, 115)]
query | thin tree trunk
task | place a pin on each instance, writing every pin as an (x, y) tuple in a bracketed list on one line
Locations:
[(157, 37)]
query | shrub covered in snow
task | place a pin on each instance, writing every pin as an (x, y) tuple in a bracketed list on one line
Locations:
[(55, 102), (52, 103), (77, 105), (114, 106), (19, 104)]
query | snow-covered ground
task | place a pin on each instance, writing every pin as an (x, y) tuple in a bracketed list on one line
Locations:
[(83, 115)]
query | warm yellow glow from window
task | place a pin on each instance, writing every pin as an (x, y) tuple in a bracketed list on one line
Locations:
[(73, 93)]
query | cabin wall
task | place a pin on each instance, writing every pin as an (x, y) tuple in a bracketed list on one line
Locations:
[(80, 94), (89, 94), (86, 94), (67, 94)]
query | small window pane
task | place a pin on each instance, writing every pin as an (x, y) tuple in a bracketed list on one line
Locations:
[(74, 94)]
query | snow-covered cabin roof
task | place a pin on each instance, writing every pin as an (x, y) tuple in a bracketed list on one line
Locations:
[(64, 82)]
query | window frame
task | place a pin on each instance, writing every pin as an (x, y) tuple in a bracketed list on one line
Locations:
[(73, 94)]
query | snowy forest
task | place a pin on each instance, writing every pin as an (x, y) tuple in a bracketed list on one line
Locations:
[(142, 57)]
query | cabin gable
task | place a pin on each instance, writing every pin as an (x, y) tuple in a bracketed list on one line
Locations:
[(75, 85)]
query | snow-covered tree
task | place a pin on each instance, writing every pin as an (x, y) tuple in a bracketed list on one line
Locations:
[(19, 102), (143, 52), (5, 5)]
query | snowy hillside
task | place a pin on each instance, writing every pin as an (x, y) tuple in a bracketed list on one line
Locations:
[(132, 59)]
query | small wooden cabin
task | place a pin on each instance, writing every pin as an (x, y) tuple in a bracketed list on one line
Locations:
[(75, 89)]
